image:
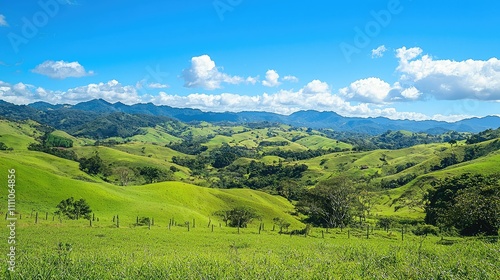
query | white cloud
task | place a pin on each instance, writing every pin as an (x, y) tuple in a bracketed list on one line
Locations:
[(111, 91), (157, 86), (204, 74), (291, 78), (411, 93), (272, 79), (3, 22), (370, 90), (61, 69), (316, 95), (448, 79), (252, 80), (405, 54), (379, 52)]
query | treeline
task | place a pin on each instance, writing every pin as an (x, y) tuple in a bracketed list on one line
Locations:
[(54, 145), (302, 155), (276, 179), (470, 153), (391, 140), (483, 136)]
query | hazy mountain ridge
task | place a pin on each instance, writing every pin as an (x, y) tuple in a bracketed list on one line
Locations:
[(309, 118)]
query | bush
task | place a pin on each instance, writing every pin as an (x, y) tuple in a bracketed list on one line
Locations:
[(426, 230), (143, 221)]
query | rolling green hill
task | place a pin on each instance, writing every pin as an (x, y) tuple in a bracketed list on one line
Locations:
[(396, 179), (44, 180)]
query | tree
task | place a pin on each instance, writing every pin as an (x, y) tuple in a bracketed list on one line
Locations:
[(74, 210), (4, 147), (152, 174), (385, 223), (93, 165), (469, 203), (453, 142), (281, 223), (239, 216), (329, 204), (124, 175)]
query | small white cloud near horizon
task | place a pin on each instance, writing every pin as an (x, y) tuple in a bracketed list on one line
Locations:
[(379, 52), (203, 73), (3, 21), (62, 69), (157, 86), (290, 78), (272, 79)]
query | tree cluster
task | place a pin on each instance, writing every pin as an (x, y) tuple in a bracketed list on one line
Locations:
[(468, 203), (239, 216)]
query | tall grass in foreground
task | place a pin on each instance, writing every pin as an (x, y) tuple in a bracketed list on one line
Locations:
[(70, 252)]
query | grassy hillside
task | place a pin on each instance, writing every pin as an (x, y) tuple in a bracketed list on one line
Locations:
[(18, 135), (43, 181), (395, 178)]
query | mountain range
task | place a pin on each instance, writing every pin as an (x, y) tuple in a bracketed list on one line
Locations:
[(311, 118)]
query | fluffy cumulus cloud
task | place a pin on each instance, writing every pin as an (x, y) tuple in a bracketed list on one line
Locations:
[(379, 52), (370, 90), (3, 22), (204, 74), (272, 79), (448, 79), (61, 69), (112, 91)]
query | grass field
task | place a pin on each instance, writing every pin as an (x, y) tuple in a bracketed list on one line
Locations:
[(105, 252)]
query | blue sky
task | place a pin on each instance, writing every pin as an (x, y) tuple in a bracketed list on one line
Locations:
[(393, 58)]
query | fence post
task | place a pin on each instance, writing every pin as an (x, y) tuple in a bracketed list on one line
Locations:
[(402, 234), (46, 216), (36, 218), (194, 223), (117, 221)]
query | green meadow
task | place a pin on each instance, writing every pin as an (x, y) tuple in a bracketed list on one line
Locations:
[(186, 240)]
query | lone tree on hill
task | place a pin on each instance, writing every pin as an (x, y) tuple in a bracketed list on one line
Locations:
[(237, 217), (329, 204), (74, 210)]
